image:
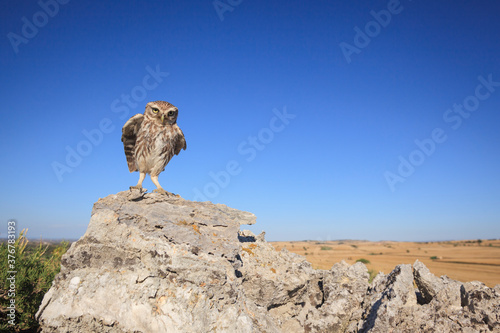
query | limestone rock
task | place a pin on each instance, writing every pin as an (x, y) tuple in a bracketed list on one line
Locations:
[(444, 289), (390, 300), (151, 262)]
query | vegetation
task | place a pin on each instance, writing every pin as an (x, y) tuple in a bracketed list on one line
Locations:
[(326, 248), (373, 274), (434, 258), (363, 260), (35, 267)]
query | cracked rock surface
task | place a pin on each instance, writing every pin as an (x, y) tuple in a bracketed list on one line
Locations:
[(150, 262)]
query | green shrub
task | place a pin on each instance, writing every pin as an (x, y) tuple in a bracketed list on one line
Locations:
[(373, 274), (363, 260), (434, 257), (326, 248), (35, 270)]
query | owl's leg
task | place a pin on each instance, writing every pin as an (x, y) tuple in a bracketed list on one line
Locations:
[(159, 189), (142, 175)]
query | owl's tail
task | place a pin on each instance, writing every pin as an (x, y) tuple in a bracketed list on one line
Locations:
[(129, 146)]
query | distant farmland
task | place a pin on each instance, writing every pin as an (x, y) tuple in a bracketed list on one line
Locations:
[(460, 260)]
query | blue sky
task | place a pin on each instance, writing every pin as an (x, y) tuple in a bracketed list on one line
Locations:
[(374, 120)]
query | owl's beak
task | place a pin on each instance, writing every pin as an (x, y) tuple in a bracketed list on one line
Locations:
[(162, 117)]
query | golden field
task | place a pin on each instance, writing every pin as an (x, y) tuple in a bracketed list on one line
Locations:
[(460, 260)]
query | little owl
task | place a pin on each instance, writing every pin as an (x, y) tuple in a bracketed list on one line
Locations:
[(151, 140)]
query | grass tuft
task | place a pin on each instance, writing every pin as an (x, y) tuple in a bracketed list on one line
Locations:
[(373, 274)]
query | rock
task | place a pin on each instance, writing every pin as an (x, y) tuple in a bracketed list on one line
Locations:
[(389, 301), (151, 262), (443, 289), (438, 305), (482, 305), (342, 290)]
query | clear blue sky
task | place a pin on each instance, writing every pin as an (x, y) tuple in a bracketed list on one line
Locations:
[(375, 120)]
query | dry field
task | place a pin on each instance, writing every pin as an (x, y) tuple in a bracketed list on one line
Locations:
[(460, 260)]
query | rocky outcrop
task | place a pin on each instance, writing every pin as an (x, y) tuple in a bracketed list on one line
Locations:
[(157, 263)]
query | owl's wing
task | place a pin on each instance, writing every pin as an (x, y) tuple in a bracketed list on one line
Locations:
[(129, 137), (180, 143)]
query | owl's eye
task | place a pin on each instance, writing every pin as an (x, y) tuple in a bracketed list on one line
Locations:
[(155, 110), (170, 113)]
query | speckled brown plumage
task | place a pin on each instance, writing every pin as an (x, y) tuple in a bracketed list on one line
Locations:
[(150, 140)]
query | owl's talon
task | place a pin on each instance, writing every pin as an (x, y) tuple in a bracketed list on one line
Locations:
[(161, 191), (140, 188)]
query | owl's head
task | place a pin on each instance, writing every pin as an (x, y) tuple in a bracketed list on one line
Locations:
[(162, 112)]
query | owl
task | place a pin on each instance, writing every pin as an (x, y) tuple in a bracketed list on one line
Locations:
[(151, 139)]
